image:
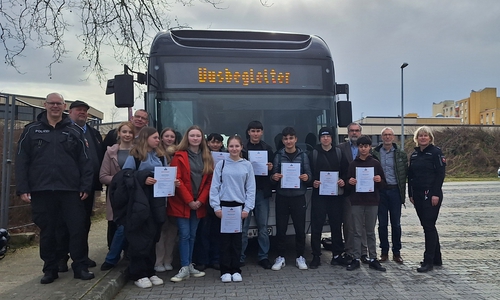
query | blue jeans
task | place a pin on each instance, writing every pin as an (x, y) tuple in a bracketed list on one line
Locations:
[(390, 203), (261, 213), (187, 235), (115, 250)]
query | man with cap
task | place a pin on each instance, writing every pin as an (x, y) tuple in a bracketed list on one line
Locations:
[(54, 175), (78, 113), (326, 158)]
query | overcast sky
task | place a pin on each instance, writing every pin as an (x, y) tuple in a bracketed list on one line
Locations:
[(451, 46)]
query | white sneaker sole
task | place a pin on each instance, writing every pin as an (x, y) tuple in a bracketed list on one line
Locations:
[(178, 279)]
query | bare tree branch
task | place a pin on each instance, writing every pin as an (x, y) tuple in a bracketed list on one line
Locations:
[(125, 26)]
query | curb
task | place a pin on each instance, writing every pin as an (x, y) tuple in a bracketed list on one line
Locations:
[(109, 285)]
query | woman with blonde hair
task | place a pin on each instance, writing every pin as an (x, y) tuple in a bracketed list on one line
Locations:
[(165, 246), (144, 157), (113, 161), (194, 171), (426, 174)]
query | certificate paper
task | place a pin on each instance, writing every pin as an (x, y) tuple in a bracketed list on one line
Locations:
[(329, 185), (231, 219), (259, 162), (218, 156), (364, 178), (165, 181), (291, 173)]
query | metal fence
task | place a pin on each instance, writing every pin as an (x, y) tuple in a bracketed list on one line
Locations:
[(15, 215)]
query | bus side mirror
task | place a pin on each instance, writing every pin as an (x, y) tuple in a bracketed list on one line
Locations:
[(123, 88), (344, 113)]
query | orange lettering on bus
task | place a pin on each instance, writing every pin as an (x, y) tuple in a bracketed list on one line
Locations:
[(229, 75)]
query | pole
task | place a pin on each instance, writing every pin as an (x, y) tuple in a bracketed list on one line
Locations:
[(404, 65)]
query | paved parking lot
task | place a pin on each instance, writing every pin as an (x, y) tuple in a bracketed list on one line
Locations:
[(469, 227)]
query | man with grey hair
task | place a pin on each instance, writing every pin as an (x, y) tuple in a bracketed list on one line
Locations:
[(350, 150), (394, 161), (54, 175), (78, 113)]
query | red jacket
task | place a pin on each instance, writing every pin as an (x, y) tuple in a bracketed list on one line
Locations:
[(177, 205)]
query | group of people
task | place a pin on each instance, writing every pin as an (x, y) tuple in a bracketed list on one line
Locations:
[(424, 172), (63, 162)]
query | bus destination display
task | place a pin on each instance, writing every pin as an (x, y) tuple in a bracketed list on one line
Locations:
[(242, 76)]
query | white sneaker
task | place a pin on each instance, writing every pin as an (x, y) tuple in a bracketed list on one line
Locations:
[(300, 262), (195, 273), (143, 283), (226, 277), (155, 280), (182, 275), (160, 269), (279, 263), (237, 277), (168, 267)]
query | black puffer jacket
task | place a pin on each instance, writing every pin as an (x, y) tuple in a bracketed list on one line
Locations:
[(135, 207)]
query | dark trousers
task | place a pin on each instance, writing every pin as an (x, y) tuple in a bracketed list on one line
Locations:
[(63, 234), (50, 209), (294, 207), (206, 245), (321, 206), (389, 206), (229, 247), (144, 265), (112, 227), (428, 215)]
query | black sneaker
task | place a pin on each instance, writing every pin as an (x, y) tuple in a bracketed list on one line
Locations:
[(49, 277), (265, 263), (364, 259), (315, 262), (425, 267), (106, 266), (353, 265), (375, 264), (340, 260)]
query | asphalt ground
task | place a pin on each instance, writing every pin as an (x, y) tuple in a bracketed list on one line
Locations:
[(469, 228)]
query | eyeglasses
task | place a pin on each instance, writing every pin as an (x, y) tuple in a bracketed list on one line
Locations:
[(354, 130), (54, 103), (142, 118), (387, 134)]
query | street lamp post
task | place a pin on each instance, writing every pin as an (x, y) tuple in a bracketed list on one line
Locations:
[(404, 65)]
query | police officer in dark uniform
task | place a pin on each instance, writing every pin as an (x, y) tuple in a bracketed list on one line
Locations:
[(49, 151), (425, 180)]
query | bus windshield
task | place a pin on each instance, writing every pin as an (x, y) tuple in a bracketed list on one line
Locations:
[(229, 113)]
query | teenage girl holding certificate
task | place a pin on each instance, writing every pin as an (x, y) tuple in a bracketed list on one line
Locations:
[(233, 185)]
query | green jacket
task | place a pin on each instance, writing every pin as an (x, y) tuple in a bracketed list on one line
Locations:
[(401, 163)]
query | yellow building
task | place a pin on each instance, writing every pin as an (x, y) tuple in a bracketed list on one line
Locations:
[(444, 108), (481, 108)]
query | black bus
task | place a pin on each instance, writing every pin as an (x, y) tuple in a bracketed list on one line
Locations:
[(222, 80)]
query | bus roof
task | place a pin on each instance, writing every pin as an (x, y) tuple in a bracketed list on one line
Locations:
[(187, 42)]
